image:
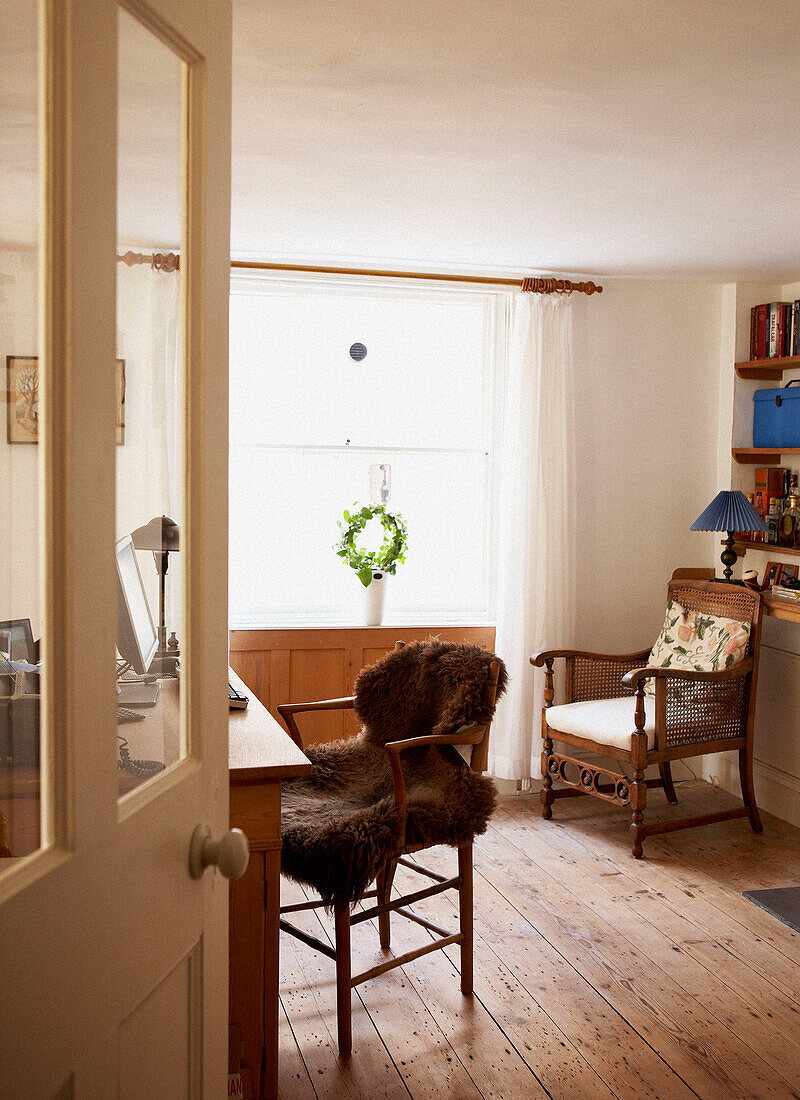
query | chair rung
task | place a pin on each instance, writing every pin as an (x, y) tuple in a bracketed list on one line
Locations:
[(421, 870), (310, 941), (409, 956), (425, 923), (407, 899), (691, 822), (300, 906)]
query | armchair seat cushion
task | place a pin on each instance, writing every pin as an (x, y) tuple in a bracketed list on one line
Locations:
[(606, 721)]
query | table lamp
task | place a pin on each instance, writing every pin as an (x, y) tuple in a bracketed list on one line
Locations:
[(162, 536), (729, 511)]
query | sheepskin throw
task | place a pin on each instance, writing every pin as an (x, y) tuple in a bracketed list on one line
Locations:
[(339, 825)]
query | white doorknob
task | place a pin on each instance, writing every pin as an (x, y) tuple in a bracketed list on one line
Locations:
[(230, 853)]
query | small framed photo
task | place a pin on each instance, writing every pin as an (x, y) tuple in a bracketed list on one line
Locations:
[(771, 574), (22, 399), (787, 573)]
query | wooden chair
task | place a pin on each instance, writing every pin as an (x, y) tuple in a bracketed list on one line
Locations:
[(476, 736), (693, 714)]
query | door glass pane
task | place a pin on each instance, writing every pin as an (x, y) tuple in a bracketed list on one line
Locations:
[(21, 605), (149, 374)]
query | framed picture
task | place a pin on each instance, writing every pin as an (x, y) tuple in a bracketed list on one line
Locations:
[(22, 399), (787, 573), (771, 574)]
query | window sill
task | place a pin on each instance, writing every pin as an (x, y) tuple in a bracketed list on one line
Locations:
[(422, 623)]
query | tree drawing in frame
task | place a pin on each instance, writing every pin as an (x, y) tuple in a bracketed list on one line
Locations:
[(22, 399)]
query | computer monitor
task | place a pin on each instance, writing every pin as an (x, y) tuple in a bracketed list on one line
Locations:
[(137, 640)]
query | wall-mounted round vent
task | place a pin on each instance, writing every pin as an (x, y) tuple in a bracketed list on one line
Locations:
[(358, 352)]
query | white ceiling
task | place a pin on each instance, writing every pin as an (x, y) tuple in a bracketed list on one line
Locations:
[(613, 137)]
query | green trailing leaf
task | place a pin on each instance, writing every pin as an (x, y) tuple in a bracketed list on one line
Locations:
[(391, 552)]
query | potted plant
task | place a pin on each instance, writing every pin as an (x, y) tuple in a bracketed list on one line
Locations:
[(372, 566)]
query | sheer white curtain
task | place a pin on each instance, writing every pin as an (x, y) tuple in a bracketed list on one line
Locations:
[(536, 568)]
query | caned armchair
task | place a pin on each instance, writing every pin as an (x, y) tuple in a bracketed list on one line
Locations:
[(691, 714)]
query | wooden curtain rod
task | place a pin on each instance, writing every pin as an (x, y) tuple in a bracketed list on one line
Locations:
[(168, 261), (533, 284), (159, 261)]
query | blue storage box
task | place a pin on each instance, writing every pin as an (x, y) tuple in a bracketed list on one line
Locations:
[(776, 417)]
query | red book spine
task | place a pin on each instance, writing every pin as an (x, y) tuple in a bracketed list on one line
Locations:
[(761, 331), (780, 337), (753, 331)]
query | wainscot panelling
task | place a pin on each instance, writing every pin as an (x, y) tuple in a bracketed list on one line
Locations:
[(776, 747), (299, 665)]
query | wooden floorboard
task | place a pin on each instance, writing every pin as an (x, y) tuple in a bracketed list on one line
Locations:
[(596, 975)]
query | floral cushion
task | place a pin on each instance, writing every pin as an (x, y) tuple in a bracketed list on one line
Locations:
[(697, 641)]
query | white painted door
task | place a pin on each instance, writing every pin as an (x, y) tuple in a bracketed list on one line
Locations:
[(114, 138)]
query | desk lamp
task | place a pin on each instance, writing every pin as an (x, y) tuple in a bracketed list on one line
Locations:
[(161, 535), (729, 511)]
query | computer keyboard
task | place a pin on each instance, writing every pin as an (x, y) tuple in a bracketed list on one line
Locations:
[(131, 677), (236, 701), (125, 715)]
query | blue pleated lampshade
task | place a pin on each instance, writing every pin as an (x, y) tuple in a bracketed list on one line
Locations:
[(729, 511)]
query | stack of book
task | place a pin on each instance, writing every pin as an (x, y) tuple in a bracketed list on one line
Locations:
[(782, 593), (775, 330)]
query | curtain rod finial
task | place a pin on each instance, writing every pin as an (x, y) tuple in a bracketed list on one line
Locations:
[(538, 285)]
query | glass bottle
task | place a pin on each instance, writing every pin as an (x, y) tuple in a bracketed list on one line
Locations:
[(790, 521), (773, 522)]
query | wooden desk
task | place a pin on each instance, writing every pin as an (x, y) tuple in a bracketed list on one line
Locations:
[(260, 755)]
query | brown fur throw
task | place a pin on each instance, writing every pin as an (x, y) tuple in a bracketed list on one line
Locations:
[(339, 825)]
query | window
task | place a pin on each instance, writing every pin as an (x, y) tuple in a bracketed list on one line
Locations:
[(311, 412)]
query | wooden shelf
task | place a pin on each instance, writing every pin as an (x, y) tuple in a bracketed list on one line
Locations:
[(764, 547), (782, 609), (770, 456), (767, 370)]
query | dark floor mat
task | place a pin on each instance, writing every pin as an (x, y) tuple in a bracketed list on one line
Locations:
[(783, 903)]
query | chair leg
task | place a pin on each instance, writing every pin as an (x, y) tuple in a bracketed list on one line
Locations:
[(343, 974), (546, 793), (639, 801), (748, 791), (665, 771), (384, 884), (465, 915)]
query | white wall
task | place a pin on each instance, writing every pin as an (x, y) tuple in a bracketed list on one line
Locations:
[(646, 360), (146, 482), (19, 502)]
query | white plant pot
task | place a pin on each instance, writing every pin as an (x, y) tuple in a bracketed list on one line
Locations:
[(374, 597)]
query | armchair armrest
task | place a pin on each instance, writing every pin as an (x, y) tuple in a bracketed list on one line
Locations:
[(470, 735), (637, 676), (287, 712), (544, 655), (588, 675)]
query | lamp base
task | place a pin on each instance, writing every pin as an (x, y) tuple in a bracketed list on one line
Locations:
[(728, 556)]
